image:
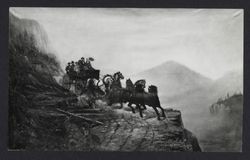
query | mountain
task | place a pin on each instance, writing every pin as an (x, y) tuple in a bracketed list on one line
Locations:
[(173, 79), (31, 82), (30, 34), (230, 83), (30, 27)]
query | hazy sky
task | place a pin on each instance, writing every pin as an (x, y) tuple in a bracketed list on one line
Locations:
[(209, 41)]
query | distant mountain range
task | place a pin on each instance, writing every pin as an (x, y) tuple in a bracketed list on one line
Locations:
[(230, 82), (173, 78), (180, 85)]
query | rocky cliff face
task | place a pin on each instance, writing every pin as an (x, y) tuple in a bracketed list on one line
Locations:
[(121, 130), (30, 27), (31, 82), (124, 131)]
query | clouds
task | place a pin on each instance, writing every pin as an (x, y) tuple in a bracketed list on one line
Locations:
[(209, 41)]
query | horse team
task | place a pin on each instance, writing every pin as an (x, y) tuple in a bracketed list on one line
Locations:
[(133, 94)]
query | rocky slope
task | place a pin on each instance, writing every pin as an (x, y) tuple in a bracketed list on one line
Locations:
[(31, 82), (120, 131), (29, 27), (124, 131)]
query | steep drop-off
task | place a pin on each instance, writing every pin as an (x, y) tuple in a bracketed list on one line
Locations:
[(226, 135)]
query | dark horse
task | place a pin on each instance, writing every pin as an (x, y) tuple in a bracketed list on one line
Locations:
[(149, 98), (130, 95), (138, 87)]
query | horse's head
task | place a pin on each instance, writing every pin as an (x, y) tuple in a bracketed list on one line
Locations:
[(141, 83), (90, 83), (118, 76), (152, 89), (129, 84)]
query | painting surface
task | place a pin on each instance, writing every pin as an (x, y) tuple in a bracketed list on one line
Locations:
[(125, 79)]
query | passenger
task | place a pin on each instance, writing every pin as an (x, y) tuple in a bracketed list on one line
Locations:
[(83, 60), (67, 69), (88, 63), (81, 63), (72, 72)]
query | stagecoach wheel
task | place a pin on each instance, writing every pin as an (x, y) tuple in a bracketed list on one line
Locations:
[(78, 88)]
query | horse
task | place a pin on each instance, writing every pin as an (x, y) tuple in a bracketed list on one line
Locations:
[(129, 85), (149, 98), (130, 96), (114, 88), (140, 85), (135, 88), (110, 81)]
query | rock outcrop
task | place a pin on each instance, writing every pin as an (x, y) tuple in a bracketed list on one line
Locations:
[(129, 132), (120, 130)]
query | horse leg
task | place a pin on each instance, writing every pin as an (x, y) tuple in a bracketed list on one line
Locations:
[(162, 110), (157, 112), (130, 105), (121, 105), (140, 110)]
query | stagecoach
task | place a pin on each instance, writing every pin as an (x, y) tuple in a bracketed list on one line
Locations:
[(86, 74), (78, 80)]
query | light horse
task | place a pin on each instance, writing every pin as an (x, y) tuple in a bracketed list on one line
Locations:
[(114, 90)]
